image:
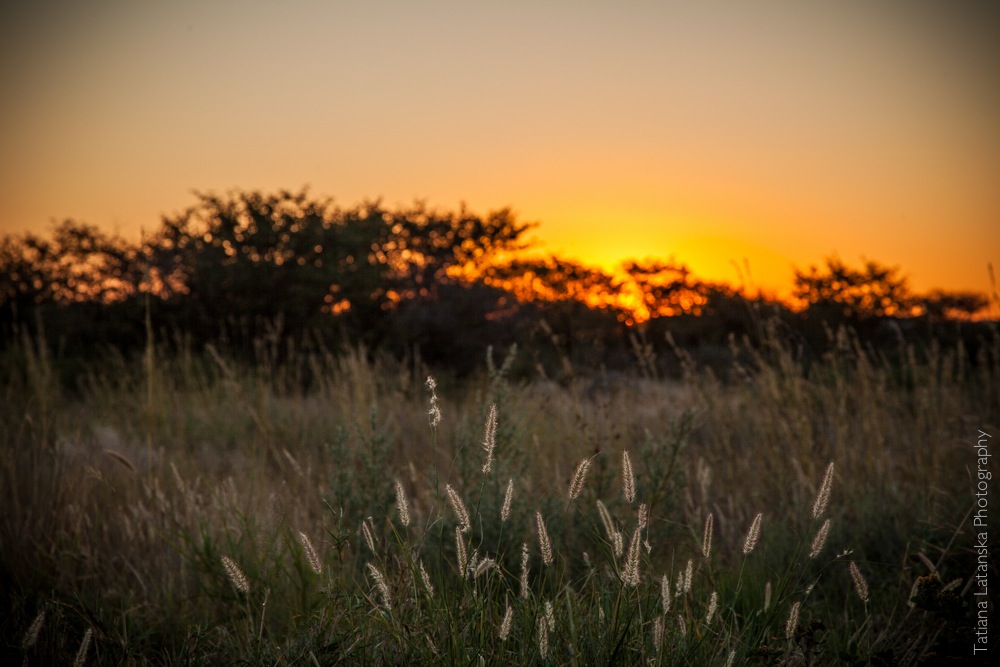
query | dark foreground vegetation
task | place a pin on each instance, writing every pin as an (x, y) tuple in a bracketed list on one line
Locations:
[(193, 509), (222, 446)]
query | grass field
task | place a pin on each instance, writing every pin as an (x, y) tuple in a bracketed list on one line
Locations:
[(186, 509)]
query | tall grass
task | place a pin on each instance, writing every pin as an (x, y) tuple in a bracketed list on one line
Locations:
[(240, 517)]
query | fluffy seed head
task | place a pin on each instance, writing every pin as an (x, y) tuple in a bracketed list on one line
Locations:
[(81, 654), (458, 507), (31, 636), (507, 499), (483, 566), (367, 534), (820, 539), (628, 478), (473, 563), (524, 571), (713, 604), (665, 594), (643, 516), (793, 620), (490, 438), (311, 556), (753, 534), (424, 577), (544, 545), (619, 545), (550, 616), (688, 575), (402, 505), (631, 574), (508, 618), (609, 524), (823, 496), (543, 637), (434, 412), (658, 633), (576, 486), (860, 584), (682, 625), (706, 537), (235, 574), (383, 587), (463, 558)]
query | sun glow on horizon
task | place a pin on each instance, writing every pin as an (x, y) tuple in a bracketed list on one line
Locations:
[(721, 134)]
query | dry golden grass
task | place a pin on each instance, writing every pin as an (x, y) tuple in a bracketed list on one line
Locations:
[(129, 515)]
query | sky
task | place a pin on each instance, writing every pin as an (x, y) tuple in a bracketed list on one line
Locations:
[(721, 134)]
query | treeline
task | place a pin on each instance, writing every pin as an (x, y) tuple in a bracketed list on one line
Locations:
[(289, 270)]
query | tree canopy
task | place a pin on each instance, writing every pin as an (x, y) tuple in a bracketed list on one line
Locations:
[(246, 265)]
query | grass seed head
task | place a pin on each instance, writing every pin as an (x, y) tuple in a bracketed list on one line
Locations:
[(490, 438), (460, 552), (402, 505), (631, 574), (823, 495), (706, 537), (311, 556), (713, 604), (793, 620), (544, 545), (860, 584), (458, 506), (31, 636), (235, 574), (426, 579), (607, 521), (81, 654), (525, 592), (628, 478), (367, 534), (508, 618), (483, 566), (380, 583), (576, 486), (820, 539), (753, 534), (434, 411), (543, 637), (508, 498)]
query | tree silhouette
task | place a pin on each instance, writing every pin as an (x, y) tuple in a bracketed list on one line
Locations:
[(247, 267), (291, 263), (839, 291), (941, 305), (666, 288)]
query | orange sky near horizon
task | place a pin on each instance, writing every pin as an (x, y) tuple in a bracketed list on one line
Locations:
[(776, 133)]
